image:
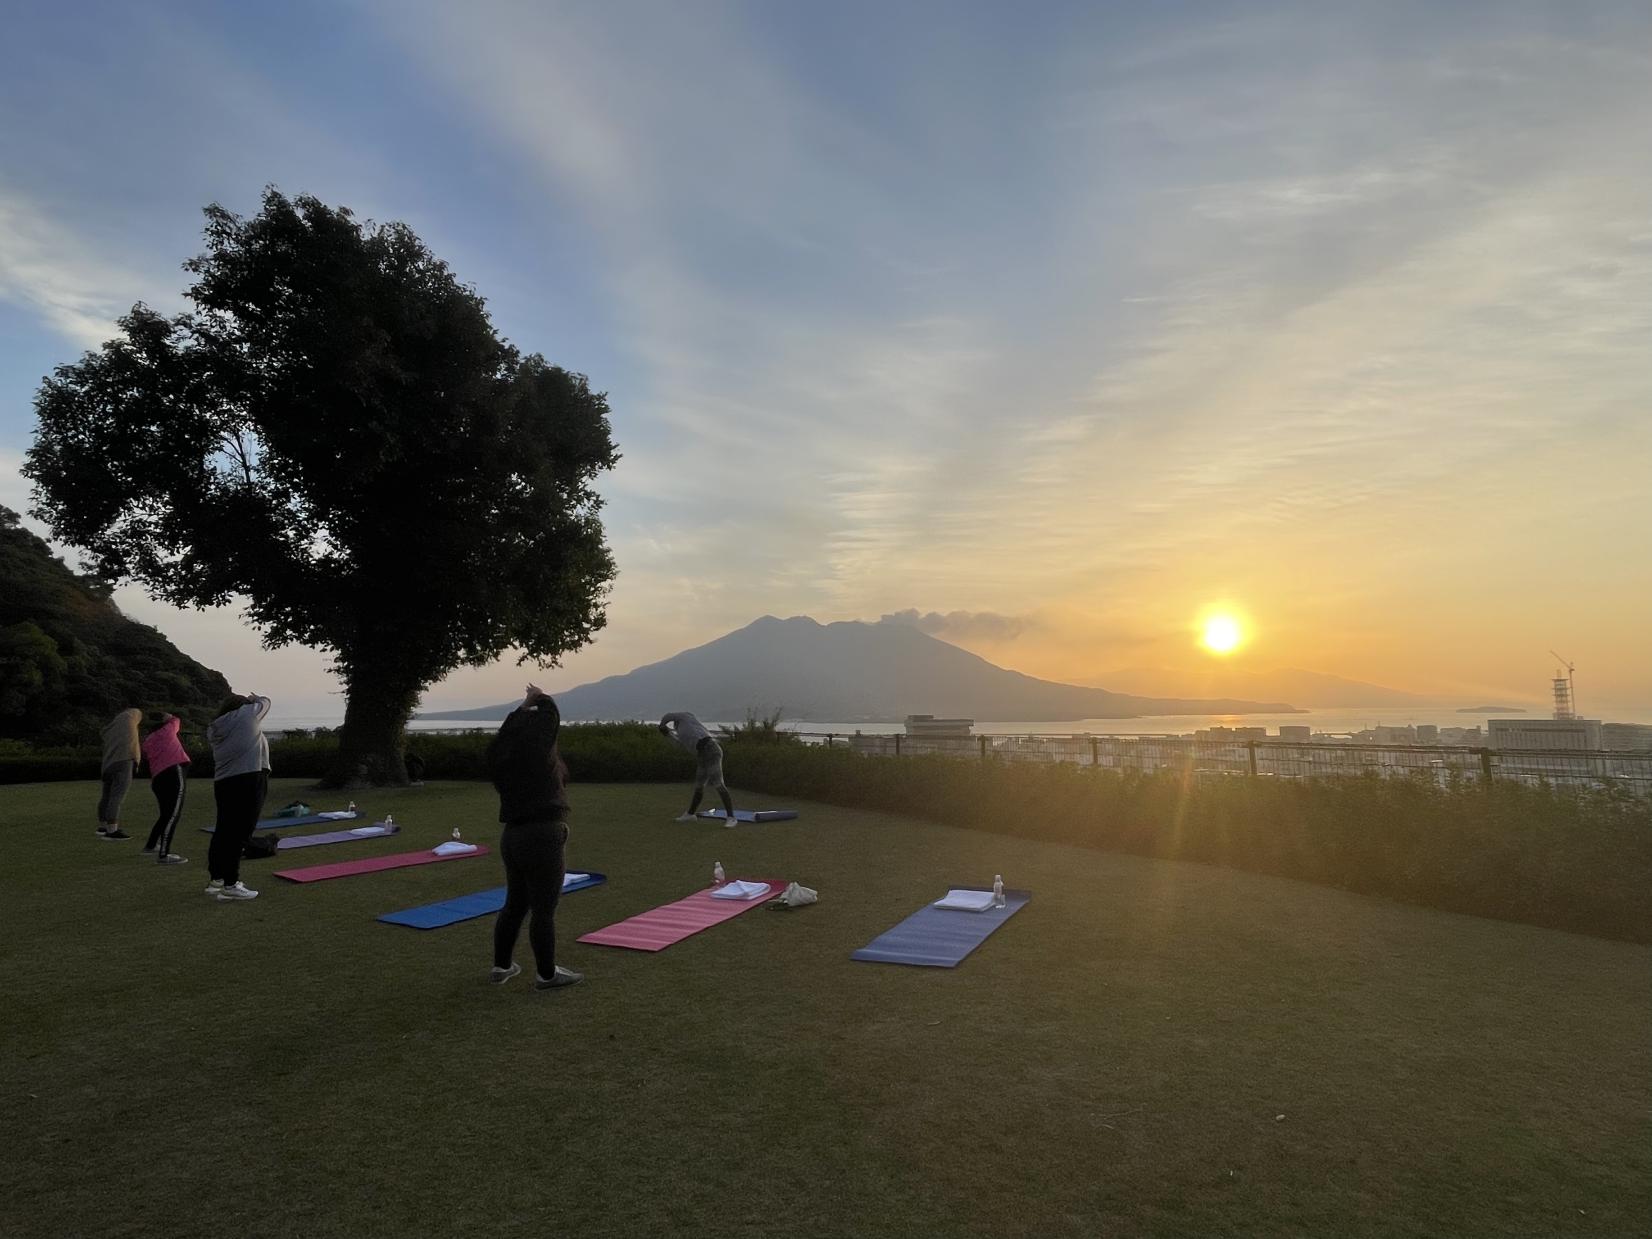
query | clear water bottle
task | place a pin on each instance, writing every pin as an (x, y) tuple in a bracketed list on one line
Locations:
[(998, 890), (456, 834), (389, 819), (352, 806), (717, 875)]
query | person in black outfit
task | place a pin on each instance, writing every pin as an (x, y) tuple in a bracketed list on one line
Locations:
[(528, 773)]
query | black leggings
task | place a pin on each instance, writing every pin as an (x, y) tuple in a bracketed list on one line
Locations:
[(534, 866), (168, 787), (240, 799)]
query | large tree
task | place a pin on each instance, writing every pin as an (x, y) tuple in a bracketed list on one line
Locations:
[(338, 435)]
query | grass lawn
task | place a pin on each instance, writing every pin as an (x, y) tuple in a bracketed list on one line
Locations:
[(1149, 1048)]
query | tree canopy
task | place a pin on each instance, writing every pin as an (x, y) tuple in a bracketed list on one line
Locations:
[(337, 435)]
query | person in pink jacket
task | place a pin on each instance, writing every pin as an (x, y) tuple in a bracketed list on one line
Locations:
[(168, 763)]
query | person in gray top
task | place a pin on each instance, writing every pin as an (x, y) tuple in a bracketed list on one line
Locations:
[(240, 781), (121, 755), (691, 733)]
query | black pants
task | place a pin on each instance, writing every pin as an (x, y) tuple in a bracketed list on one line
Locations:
[(168, 787), (116, 780), (240, 799), (534, 865)]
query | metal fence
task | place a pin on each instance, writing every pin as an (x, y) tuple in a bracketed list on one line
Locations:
[(1276, 759)]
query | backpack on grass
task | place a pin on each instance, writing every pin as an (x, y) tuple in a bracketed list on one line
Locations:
[(260, 847)]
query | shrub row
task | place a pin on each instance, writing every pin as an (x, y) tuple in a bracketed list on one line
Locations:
[(1563, 860), (1535, 855)]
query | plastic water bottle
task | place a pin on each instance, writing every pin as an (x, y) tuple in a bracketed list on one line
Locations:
[(456, 834), (389, 820), (352, 806), (998, 890), (717, 876)]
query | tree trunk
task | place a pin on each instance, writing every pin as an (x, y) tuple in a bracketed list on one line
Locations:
[(372, 747)]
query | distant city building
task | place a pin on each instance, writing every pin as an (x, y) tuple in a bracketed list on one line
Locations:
[(1471, 736), (1626, 737), (1296, 733), (1394, 735), (1545, 733), (1427, 733)]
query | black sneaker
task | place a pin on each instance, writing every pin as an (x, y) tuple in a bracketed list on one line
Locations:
[(559, 978), (171, 858), (116, 833)]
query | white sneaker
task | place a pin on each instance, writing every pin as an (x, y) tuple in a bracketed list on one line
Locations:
[(683, 817), (215, 887), (238, 891), (500, 975)]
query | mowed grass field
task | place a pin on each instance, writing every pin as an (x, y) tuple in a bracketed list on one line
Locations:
[(1149, 1049)]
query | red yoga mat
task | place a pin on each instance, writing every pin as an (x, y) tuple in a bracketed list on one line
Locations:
[(372, 864), (657, 929)]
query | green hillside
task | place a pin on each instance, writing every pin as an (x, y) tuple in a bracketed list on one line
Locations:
[(69, 659)]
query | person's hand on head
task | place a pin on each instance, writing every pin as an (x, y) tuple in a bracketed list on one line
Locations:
[(534, 695)]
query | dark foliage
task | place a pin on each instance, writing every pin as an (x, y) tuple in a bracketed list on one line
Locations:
[(69, 659), (338, 436)]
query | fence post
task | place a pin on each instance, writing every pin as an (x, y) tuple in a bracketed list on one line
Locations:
[(1095, 755), (1485, 766), (897, 744), (1250, 746), (983, 740)]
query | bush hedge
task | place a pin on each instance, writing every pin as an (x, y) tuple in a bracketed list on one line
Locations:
[(1559, 859)]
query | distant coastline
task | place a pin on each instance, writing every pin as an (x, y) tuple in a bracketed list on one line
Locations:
[(1492, 710)]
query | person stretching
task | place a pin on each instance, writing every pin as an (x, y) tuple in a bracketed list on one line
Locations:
[(120, 763), (691, 733), (240, 781), (528, 774), (168, 764)]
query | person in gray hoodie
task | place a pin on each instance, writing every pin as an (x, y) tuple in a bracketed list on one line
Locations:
[(240, 781), (120, 762), (691, 733)]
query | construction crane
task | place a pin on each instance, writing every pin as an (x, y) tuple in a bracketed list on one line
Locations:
[(1565, 701)]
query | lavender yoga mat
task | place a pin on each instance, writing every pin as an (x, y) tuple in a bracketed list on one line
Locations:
[(939, 937), (372, 864), (661, 927), (281, 823), (334, 836)]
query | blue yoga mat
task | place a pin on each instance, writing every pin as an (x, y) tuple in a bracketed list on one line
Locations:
[(938, 937), (333, 836), (468, 907), (281, 823), (752, 815)]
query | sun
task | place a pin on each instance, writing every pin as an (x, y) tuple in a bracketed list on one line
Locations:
[(1222, 634)]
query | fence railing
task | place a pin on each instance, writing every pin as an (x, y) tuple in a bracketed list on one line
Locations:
[(1279, 759)]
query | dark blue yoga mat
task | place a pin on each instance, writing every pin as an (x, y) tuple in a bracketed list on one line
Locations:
[(281, 823), (939, 937), (752, 815), (469, 907)]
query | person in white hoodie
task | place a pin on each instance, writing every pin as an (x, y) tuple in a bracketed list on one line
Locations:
[(120, 762), (240, 781)]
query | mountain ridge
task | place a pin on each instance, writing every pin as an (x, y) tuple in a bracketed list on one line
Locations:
[(847, 671)]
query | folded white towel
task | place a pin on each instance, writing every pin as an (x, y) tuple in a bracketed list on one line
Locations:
[(450, 848), (965, 901), (741, 890), (337, 815), (370, 830)]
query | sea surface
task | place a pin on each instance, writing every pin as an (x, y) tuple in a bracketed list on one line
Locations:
[(1330, 721)]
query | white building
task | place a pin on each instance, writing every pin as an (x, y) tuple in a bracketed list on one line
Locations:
[(1545, 733)]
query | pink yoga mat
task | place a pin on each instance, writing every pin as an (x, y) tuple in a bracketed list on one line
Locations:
[(659, 928), (372, 864)]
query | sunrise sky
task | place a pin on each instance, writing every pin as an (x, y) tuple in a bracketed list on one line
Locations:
[(1062, 325)]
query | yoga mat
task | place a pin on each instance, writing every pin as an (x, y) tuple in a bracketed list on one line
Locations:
[(752, 815), (332, 836), (468, 907), (657, 929), (281, 823), (372, 864), (939, 938)]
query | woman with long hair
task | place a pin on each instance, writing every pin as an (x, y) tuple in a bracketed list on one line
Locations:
[(528, 773)]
